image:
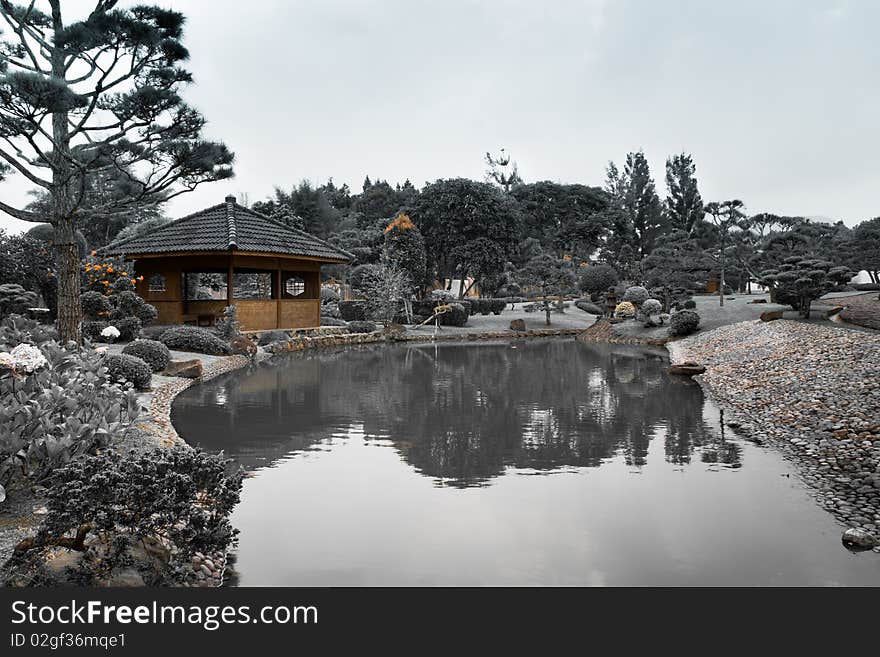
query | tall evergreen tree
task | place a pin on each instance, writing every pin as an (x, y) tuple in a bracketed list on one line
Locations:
[(97, 96), (635, 215), (684, 205)]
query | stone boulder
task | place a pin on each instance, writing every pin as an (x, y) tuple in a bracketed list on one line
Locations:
[(244, 346), (688, 368), (831, 312), (267, 337), (187, 369), (771, 315), (859, 538), (518, 325)]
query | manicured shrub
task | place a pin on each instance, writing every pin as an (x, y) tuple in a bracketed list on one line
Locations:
[(91, 329), (333, 321), (689, 304), (194, 338), (625, 310), (124, 367), (497, 306), (95, 305), (155, 332), (455, 316), (361, 327), (132, 305), (651, 307), (480, 306), (267, 337), (353, 311), (152, 352), (596, 279), (129, 328), (683, 322), (636, 295)]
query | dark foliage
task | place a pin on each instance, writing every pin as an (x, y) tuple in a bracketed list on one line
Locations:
[(194, 338), (125, 367), (129, 513), (353, 311), (361, 327), (683, 322), (152, 352)]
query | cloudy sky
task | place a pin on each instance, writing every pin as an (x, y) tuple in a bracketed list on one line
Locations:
[(777, 100)]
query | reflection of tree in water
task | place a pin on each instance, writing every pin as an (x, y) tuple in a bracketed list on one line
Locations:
[(462, 413)]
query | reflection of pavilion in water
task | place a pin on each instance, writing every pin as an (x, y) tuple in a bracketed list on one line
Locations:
[(462, 413)]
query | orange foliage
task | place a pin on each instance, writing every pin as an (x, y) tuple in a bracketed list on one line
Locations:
[(400, 222)]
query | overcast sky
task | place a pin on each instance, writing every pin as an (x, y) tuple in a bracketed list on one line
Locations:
[(777, 100)]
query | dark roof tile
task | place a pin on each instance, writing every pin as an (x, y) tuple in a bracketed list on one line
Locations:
[(224, 227)]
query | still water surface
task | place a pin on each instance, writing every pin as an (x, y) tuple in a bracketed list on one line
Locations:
[(528, 463)]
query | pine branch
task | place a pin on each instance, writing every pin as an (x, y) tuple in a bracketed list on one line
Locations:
[(23, 215)]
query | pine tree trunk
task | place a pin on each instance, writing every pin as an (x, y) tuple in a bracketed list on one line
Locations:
[(69, 311)]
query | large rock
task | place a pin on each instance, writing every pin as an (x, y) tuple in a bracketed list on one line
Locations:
[(244, 346), (518, 325), (859, 538), (686, 369), (187, 369), (771, 315)]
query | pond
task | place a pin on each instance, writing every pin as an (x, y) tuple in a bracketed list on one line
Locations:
[(546, 462)]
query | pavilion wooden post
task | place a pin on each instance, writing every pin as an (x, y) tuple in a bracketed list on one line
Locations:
[(278, 295), (229, 283)]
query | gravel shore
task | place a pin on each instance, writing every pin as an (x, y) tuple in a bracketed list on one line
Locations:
[(811, 390)]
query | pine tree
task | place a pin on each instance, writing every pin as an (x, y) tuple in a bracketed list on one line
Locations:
[(98, 96), (684, 205)]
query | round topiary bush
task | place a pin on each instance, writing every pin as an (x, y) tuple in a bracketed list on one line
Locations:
[(651, 307), (194, 338), (596, 279), (95, 305), (683, 322), (636, 295), (152, 352), (362, 326), (625, 310), (690, 304), (132, 305), (124, 367)]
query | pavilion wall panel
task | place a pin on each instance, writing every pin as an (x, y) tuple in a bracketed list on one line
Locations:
[(300, 313), (256, 314)]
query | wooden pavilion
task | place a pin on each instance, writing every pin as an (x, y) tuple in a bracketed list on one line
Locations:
[(227, 254)]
